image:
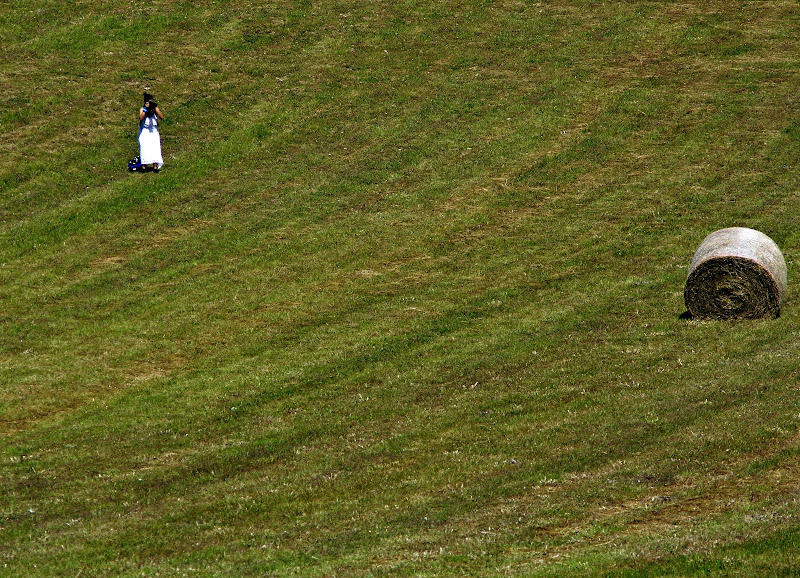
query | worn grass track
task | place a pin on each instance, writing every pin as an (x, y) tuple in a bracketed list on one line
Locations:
[(405, 298)]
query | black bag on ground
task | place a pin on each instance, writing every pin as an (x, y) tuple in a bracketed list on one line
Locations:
[(135, 164)]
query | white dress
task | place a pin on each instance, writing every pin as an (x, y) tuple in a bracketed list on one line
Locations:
[(150, 141)]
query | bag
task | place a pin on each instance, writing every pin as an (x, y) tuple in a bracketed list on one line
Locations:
[(135, 164)]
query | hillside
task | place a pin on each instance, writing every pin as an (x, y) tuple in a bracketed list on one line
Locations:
[(406, 297)]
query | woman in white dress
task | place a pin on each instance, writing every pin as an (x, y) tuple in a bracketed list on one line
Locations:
[(149, 138)]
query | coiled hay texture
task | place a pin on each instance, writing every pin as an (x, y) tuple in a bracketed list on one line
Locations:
[(736, 273)]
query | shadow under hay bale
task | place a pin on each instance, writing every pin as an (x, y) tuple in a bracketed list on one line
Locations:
[(736, 273)]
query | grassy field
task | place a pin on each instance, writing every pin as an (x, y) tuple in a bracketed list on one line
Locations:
[(407, 296)]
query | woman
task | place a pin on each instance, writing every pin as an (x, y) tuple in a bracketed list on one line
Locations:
[(149, 138)]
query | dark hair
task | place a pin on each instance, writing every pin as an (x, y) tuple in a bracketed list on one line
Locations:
[(147, 96)]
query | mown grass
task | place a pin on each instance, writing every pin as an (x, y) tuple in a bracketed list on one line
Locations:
[(405, 298)]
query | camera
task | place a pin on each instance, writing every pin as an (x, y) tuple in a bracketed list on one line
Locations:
[(150, 108)]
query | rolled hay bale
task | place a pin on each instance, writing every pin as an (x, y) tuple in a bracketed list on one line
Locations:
[(736, 273)]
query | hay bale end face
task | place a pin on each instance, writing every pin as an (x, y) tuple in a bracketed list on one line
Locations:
[(736, 273)]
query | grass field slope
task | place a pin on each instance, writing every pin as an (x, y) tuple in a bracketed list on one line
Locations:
[(406, 297)]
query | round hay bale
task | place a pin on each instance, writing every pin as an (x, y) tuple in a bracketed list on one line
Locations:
[(736, 273)]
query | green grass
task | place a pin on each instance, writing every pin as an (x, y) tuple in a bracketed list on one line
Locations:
[(406, 297)]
